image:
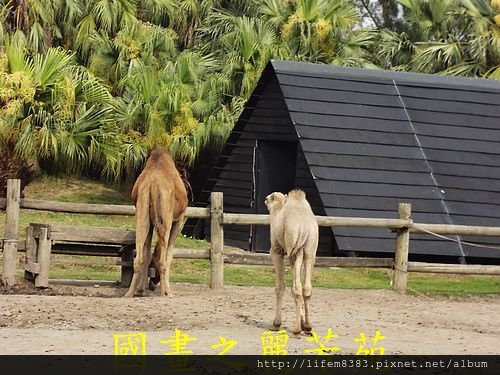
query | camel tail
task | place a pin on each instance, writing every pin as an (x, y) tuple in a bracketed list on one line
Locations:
[(155, 208), (295, 241)]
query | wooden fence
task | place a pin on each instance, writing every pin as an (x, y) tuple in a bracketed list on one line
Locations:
[(402, 226)]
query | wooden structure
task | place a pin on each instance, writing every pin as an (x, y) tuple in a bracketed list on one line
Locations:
[(11, 232), (42, 240), (360, 141)]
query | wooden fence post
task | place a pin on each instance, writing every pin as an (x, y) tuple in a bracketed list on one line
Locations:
[(44, 250), (30, 257), (11, 232), (402, 247), (127, 271), (217, 241)]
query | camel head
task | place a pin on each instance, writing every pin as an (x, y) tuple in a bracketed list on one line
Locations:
[(275, 202)]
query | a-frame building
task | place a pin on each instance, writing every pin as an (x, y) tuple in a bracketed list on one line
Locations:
[(359, 142)]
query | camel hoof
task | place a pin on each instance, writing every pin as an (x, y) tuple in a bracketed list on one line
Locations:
[(276, 326), (296, 333), (131, 293), (307, 327), (168, 293), (297, 329)]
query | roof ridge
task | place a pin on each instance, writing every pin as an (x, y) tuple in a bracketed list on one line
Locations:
[(308, 68)]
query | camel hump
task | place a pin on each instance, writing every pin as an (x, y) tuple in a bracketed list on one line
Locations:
[(158, 152), (297, 194)]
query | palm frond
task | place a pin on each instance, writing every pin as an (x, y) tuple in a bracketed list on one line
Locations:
[(50, 66)]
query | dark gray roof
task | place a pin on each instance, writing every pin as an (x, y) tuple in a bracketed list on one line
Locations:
[(322, 70), (374, 138)]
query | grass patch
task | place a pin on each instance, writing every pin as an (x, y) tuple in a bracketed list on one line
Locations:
[(453, 285), (198, 272), (107, 273), (74, 190), (342, 278)]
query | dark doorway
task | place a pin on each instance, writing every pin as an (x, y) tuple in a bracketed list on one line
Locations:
[(275, 171)]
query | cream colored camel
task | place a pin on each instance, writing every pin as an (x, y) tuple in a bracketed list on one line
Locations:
[(294, 231), (160, 199)]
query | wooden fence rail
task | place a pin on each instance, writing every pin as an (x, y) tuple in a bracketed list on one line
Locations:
[(403, 226), (96, 209)]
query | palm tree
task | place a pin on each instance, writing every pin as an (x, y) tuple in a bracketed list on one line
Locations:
[(44, 23), (326, 31), (54, 111), (173, 107), (446, 37), (135, 46), (245, 44)]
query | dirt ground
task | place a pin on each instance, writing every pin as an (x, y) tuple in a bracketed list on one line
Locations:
[(84, 319)]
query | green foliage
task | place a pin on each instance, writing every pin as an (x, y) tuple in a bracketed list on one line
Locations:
[(446, 37), (93, 86)]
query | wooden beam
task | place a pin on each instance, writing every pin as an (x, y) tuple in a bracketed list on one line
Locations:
[(323, 221), (327, 221), (253, 259), (260, 259), (96, 209), (179, 253), (461, 269), (217, 241), (402, 248), (77, 208), (463, 230), (352, 262), (86, 250), (90, 235), (11, 233), (21, 245), (245, 219)]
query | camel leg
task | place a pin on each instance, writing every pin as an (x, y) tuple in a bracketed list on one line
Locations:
[(156, 262), (307, 292), (144, 235), (143, 282), (165, 258), (277, 256), (297, 291), (174, 232)]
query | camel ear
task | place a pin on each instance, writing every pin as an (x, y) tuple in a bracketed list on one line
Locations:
[(272, 197)]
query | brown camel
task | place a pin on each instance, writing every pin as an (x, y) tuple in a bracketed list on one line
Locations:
[(294, 232), (160, 199)]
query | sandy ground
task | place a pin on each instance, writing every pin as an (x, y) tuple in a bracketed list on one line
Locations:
[(84, 320)]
